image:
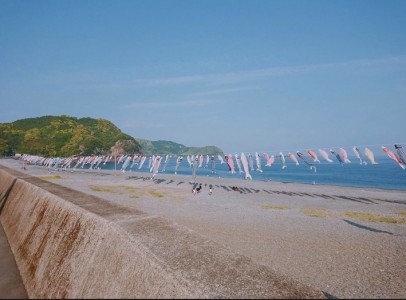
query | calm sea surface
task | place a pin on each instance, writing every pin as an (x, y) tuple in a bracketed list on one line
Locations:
[(385, 175)]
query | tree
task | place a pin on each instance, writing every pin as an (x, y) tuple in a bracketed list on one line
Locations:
[(3, 147), (118, 149), (32, 142)]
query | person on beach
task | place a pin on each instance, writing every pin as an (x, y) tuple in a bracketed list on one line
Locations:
[(199, 188), (194, 191), (210, 190)]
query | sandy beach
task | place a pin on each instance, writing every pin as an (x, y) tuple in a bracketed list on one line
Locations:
[(315, 234)]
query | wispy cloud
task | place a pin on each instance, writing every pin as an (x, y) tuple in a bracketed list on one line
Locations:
[(158, 104), (245, 76), (224, 91)]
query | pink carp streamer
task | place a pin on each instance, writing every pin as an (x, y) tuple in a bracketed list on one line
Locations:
[(120, 159), (370, 155), (125, 164), (230, 163), (143, 159), (245, 166), (155, 164), (151, 162), (108, 157), (270, 161), (313, 155), (201, 160), (324, 154), (135, 160), (293, 158), (394, 157), (344, 155)]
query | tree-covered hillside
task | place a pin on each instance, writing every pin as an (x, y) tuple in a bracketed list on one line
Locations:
[(63, 136), (168, 147)]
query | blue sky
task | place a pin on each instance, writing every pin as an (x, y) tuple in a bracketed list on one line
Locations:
[(241, 75)]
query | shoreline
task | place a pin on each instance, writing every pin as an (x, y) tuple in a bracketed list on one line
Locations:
[(272, 223), (383, 176), (199, 177)]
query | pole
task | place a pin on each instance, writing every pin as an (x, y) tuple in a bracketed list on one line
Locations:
[(115, 165)]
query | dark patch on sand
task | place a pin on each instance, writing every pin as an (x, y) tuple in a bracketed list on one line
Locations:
[(353, 199), (366, 227), (224, 187)]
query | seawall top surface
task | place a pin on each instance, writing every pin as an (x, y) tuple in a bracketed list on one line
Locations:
[(206, 268)]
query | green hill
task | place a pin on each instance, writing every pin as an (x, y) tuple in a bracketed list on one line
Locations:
[(63, 136), (168, 147), (52, 136)]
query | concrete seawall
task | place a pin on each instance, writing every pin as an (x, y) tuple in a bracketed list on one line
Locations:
[(68, 244)]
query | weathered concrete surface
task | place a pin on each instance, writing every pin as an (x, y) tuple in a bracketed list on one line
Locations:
[(11, 284), (72, 245)]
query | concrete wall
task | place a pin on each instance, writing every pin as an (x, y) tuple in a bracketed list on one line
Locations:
[(63, 251), (86, 248)]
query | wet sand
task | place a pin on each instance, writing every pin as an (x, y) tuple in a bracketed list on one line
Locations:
[(305, 232)]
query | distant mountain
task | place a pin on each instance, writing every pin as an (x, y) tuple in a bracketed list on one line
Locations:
[(168, 147), (53, 136)]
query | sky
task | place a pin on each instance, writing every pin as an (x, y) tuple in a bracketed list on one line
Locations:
[(241, 75)]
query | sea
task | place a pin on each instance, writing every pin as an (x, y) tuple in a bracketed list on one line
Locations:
[(385, 175)]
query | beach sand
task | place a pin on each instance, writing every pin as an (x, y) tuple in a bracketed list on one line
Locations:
[(314, 234)]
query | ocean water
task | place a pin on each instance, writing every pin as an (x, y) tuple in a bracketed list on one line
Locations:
[(385, 175)]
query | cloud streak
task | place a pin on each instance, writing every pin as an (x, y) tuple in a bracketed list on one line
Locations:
[(160, 104), (224, 91), (244, 76)]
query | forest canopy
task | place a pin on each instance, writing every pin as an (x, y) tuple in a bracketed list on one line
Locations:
[(64, 136), (52, 136)]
